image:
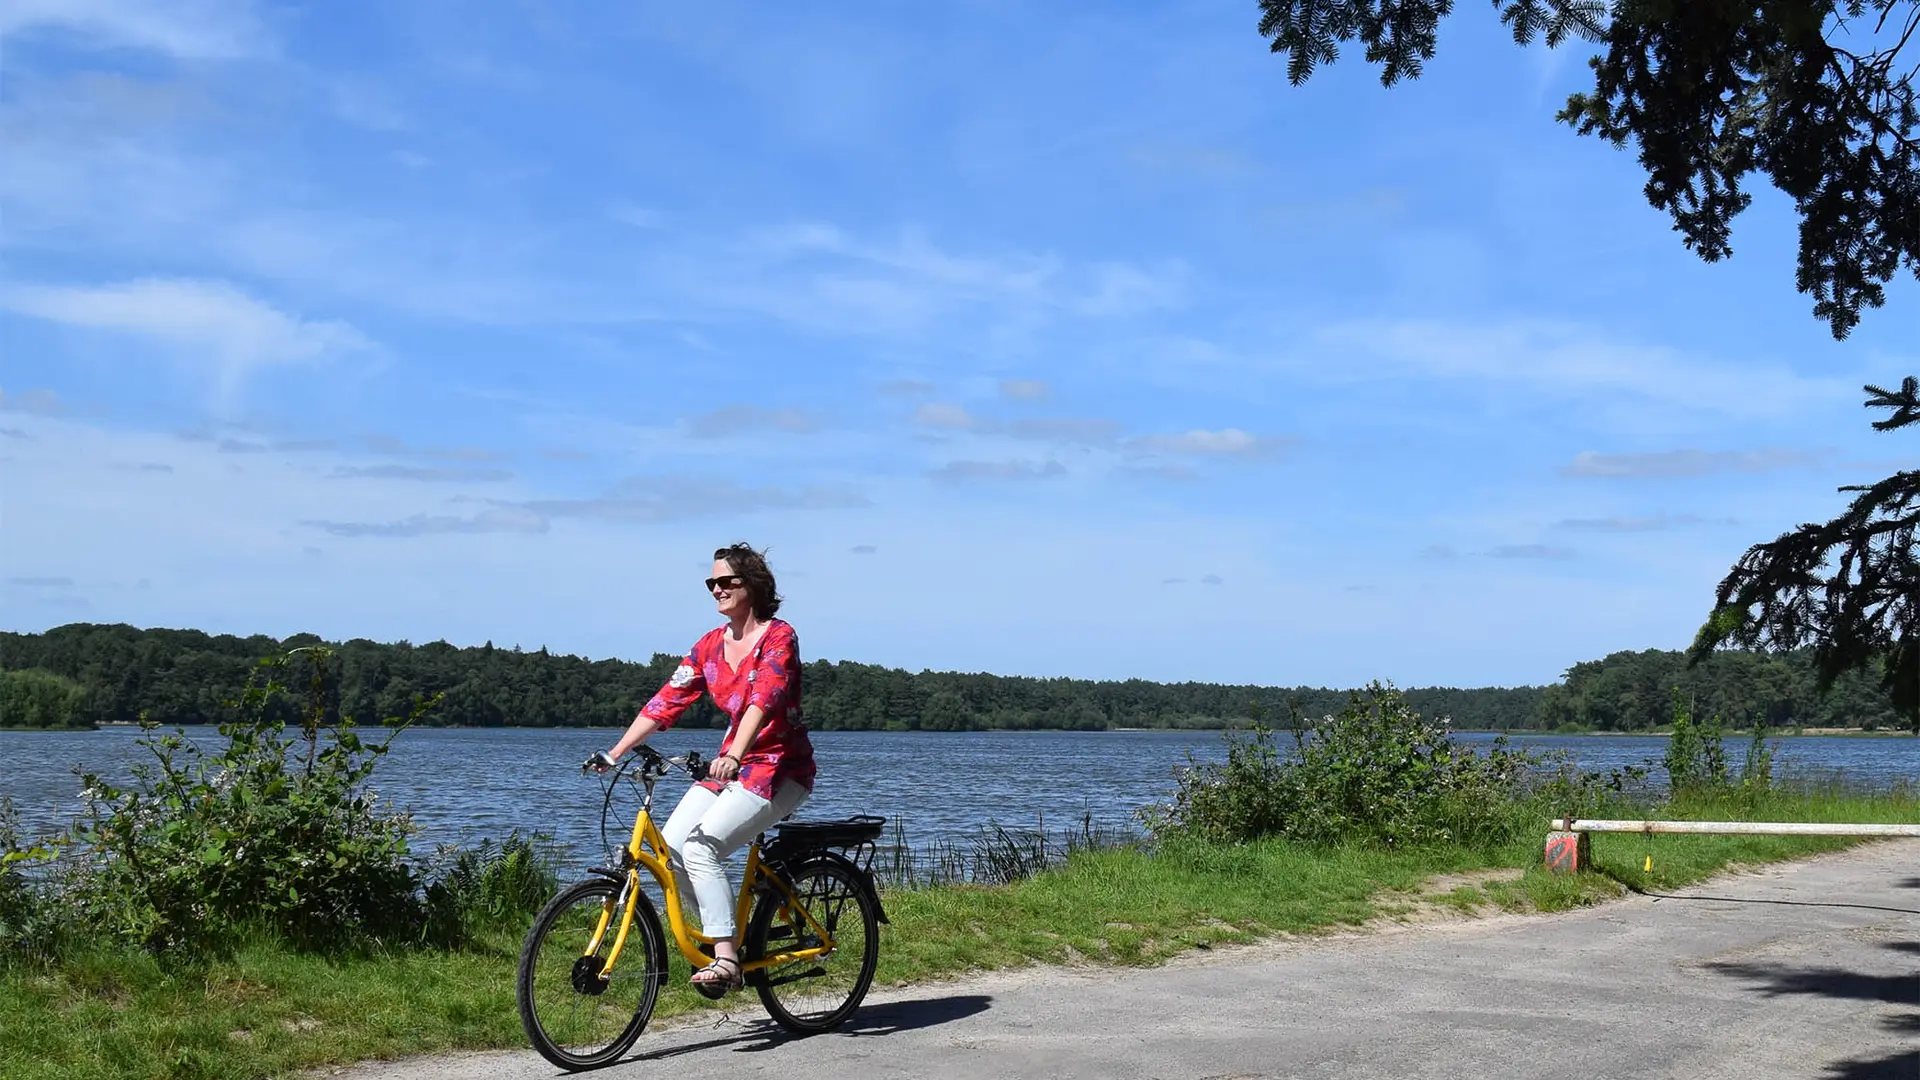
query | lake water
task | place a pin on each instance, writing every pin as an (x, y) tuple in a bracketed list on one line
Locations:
[(465, 784)]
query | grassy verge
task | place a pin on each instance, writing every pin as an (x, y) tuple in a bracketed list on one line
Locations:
[(268, 1011)]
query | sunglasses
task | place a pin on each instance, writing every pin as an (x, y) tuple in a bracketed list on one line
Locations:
[(731, 581)]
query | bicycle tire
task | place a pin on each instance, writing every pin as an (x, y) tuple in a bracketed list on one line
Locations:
[(831, 889), (567, 979)]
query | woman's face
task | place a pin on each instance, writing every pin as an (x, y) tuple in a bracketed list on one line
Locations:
[(729, 592)]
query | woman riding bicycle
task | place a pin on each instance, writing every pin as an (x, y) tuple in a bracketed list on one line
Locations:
[(765, 769)]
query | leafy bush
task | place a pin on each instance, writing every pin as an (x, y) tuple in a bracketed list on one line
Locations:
[(489, 886), (276, 830), (1696, 763), (1377, 773), (31, 924), (1758, 774), (1695, 756)]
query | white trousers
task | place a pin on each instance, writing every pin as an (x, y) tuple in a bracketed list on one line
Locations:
[(706, 828)]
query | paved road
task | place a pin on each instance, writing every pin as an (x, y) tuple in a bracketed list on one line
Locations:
[(1810, 970)]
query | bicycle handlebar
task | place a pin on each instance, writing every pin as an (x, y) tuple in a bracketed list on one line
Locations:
[(650, 758)]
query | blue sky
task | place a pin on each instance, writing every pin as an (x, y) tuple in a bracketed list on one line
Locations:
[(1048, 339)]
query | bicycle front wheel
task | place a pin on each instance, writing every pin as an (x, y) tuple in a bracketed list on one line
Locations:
[(817, 993), (574, 1016)]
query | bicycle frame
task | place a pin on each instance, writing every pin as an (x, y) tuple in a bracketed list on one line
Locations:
[(647, 850)]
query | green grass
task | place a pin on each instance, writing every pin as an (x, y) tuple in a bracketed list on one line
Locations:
[(270, 1012)]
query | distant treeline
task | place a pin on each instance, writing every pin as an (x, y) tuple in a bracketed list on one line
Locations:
[(82, 675)]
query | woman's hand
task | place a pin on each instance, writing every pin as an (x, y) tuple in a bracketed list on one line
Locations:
[(723, 768)]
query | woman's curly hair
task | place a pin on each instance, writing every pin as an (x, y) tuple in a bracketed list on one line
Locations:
[(751, 565)]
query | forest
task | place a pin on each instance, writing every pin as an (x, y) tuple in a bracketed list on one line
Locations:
[(83, 675)]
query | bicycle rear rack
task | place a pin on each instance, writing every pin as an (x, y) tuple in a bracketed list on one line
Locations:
[(857, 837)]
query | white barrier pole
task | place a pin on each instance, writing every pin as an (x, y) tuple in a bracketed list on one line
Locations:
[(1736, 828), (1568, 849)]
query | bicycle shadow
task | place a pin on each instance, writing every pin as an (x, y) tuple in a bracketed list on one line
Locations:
[(885, 1018)]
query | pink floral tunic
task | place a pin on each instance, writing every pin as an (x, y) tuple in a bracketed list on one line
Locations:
[(768, 677)]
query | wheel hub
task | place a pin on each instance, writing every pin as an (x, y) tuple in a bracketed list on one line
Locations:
[(587, 978)]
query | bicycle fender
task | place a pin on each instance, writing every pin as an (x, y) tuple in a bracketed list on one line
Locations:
[(799, 863)]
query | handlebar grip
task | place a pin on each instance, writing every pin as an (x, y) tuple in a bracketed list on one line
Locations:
[(696, 766), (599, 760)]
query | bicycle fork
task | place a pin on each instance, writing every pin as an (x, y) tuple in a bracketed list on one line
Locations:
[(629, 882)]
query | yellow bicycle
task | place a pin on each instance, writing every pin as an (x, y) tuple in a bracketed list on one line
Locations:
[(595, 959)]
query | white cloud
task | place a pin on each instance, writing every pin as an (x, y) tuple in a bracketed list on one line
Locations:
[(1226, 442), (1091, 430), (424, 473), (31, 402), (822, 277), (1118, 289), (1637, 523), (212, 323), (1069, 429), (1024, 389), (1567, 360), (1172, 472), (640, 217), (188, 29), (361, 102), (751, 419), (499, 520), (388, 444), (963, 471), (229, 544), (1668, 464), (942, 415), (140, 170), (646, 500), (1528, 551)]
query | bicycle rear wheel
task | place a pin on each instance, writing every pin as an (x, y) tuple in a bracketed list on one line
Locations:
[(575, 1018), (816, 994)]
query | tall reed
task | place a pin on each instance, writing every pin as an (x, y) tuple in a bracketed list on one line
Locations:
[(993, 854)]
